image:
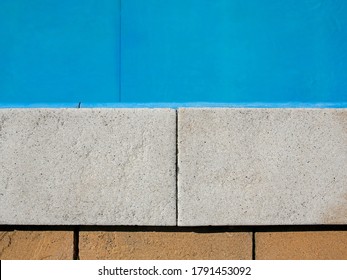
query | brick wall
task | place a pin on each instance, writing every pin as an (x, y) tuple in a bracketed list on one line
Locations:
[(173, 243)]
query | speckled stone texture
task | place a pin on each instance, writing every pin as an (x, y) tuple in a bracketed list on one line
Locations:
[(318, 245), (262, 166), (87, 166), (36, 245), (165, 246)]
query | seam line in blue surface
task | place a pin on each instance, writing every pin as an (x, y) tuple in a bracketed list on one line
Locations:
[(120, 53)]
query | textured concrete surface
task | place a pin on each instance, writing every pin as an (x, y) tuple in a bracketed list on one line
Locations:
[(301, 245), (262, 166), (165, 245), (87, 166), (36, 245)]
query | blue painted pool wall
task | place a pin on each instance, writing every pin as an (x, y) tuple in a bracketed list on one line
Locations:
[(59, 51), (234, 51), (248, 53)]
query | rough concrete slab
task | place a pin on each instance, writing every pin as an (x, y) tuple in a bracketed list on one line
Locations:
[(88, 166), (165, 246), (316, 245), (262, 166), (36, 245)]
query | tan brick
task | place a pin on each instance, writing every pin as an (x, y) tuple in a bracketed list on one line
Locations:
[(36, 245), (165, 245), (301, 245)]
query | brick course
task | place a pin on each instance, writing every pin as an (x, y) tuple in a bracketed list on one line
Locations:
[(36, 245), (301, 245), (165, 245)]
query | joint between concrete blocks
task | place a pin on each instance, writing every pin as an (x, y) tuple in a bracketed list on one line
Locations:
[(177, 167)]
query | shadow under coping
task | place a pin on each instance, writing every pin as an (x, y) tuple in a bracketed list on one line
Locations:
[(197, 229)]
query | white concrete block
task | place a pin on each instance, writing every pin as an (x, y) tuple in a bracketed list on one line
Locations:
[(88, 166), (262, 166)]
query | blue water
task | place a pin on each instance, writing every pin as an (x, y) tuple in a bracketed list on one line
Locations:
[(283, 53)]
